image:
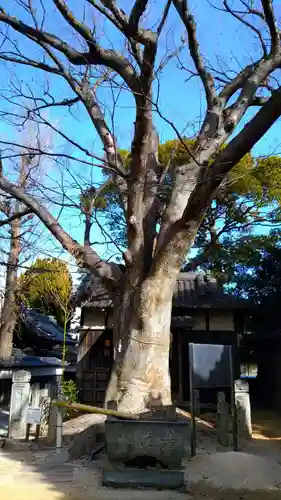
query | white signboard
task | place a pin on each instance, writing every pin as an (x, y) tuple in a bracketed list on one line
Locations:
[(33, 415)]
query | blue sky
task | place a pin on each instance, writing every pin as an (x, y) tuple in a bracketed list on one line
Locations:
[(223, 42)]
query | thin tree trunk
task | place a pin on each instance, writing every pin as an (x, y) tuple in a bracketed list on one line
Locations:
[(8, 317), (9, 314)]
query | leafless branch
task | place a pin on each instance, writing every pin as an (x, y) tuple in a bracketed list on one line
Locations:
[(17, 215), (85, 257), (137, 12), (64, 102), (249, 135), (189, 23), (246, 23), (270, 19), (29, 62), (95, 55), (164, 17)]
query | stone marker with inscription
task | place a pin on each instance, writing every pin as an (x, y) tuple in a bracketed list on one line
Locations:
[(222, 419), (243, 409), (20, 397), (145, 453)]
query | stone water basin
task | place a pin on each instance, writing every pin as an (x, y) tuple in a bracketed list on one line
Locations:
[(145, 453)]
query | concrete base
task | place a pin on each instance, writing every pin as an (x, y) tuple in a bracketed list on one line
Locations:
[(144, 478), (57, 457)]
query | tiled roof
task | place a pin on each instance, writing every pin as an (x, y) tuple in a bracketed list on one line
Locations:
[(193, 290), (21, 360), (196, 290), (91, 292), (43, 327)]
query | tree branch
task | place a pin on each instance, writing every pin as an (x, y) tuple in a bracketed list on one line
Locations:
[(248, 137), (206, 77), (95, 55), (255, 12), (200, 259), (29, 62), (81, 28), (261, 71), (117, 17), (137, 12), (64, 102), (272, 26), (259, 101), (85, 257), (237, 82), (17, 215), (249, 25), (142, 143), (164, 17)]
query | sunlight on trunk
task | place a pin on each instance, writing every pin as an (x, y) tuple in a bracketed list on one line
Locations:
[(140, 377)]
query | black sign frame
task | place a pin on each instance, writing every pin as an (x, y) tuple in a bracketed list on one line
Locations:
[(194, 386)]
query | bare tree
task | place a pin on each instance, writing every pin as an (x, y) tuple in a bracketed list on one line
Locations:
[(19, 234), (15, 218), (143, 293)]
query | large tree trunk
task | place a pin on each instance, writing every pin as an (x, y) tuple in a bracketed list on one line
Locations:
[(140, 377), (9, 310)]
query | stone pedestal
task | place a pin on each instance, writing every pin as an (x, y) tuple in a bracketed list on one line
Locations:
[(243, 410), (20, 396), (145, 453)]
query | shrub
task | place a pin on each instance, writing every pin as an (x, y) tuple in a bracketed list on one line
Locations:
[(69, 390)]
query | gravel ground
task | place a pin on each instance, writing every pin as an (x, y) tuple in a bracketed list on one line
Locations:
[(23, 478), (214, 474), (234, 470), (229, 476)]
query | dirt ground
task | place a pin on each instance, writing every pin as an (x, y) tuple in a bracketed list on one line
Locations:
[(25, 476)]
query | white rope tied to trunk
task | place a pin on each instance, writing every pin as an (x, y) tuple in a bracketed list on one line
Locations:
[(161, 344)]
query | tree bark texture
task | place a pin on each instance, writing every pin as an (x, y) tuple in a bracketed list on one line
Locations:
[(140, 377), (9, 310)]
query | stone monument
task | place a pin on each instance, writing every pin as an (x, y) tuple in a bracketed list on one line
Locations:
[(20, 396), (243, 410)]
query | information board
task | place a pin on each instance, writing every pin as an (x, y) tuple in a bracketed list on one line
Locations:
[(33, 415), (211, 365)]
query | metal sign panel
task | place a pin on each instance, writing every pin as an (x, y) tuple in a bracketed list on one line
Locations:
[(211, 365), (33, 415)]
